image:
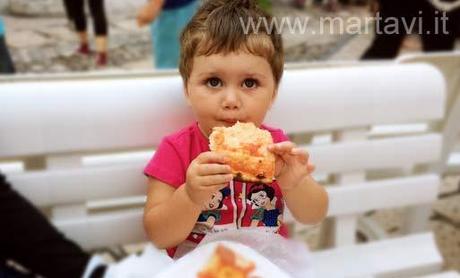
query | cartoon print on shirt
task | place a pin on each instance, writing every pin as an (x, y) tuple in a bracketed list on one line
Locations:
[(212, 213), (264, 207)]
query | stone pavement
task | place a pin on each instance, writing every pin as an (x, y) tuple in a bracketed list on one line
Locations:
[(40, 45), (41, 41)]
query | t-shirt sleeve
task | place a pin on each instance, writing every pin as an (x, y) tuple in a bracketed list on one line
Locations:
[(166, 165), (279, 136)]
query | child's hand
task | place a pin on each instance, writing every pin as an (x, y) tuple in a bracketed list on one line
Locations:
[(206, 174), (147, 13), (292, 164)]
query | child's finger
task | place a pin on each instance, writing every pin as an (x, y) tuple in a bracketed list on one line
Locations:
[(217, 187), (211, 157), (283, 147), (302, 155), (215, 179), (213, 169)]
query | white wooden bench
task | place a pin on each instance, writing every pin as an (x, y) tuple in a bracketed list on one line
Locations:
[(449, 64), (83, 143)]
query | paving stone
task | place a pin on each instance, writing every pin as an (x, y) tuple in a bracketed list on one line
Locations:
[(391, 220), (449, 207), (28, 39), (60, 33), (58, 68), (66, 50), (37, 68), (131, 26), (450, 185), (16, 23), (4, 5), (448, 241), (22, 56)]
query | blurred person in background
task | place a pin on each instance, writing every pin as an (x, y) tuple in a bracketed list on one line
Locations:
[(77, 13), (6, 64), (167, 18), (331, 5), (386, 45), (29, 239)]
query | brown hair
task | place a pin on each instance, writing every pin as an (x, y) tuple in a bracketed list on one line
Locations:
[(218, 27)]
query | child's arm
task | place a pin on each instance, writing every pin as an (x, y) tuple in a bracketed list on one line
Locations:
[(170, 214), (149, 12), (305, 198)]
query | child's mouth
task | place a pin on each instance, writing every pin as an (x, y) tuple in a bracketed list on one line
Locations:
[(230, 121)]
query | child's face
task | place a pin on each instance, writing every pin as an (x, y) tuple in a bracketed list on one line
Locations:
[(224, 89), (215, 201), (260, 199)]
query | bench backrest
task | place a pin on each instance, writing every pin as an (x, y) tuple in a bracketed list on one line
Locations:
[(449, 64), (56, 128)]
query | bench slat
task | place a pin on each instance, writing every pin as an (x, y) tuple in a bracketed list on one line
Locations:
[(400, 257), (393, 153), (109, 229), (119, 183), (87, 115), (56, 187), (358, 198), (76, 185), (355, 199), (449, 274), (66, 116), (326, 99)]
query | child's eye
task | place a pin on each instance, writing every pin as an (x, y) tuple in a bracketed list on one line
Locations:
[(250, 83), (214, 82)]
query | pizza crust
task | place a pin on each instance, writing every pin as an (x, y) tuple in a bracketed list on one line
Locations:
[(227, 263), (245, 145)]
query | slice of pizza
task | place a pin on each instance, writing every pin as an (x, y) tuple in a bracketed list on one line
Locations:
[(246, 147), (225, 263)]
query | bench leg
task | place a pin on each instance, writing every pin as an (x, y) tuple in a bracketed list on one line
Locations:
[(416, 219)]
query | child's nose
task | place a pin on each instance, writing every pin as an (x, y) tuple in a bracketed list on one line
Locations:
[(231, 99)]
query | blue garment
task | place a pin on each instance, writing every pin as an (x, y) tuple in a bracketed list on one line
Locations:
[(166, 30), (174, 4), (6, 64), (2, 27), (271, 217)]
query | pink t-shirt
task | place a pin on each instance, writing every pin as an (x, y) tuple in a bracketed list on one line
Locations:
[(238, 206)]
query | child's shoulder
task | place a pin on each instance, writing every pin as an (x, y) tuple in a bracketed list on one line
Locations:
[(181, 136)]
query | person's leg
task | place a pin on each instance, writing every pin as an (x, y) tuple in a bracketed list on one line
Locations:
[(100, 29), (6, 64), (69, 9), (79, 18), (30, 240)]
